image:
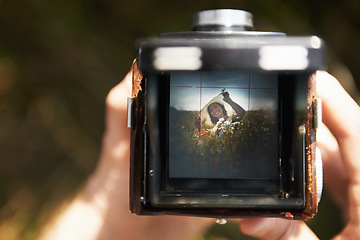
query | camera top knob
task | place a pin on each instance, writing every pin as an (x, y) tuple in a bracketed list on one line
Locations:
[(223, 20)]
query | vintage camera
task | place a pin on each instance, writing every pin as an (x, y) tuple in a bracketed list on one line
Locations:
[(223, 121)]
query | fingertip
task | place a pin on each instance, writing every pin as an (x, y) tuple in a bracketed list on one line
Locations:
[(325, 84), (257, 227), (117, 96), (274, 228), (116, 113), (340, 112)]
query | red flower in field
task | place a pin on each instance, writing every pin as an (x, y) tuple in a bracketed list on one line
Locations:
[(182, 126), (203, 133)]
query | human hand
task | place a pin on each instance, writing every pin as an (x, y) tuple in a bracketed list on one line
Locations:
[(101, 209), (226, 96), (341, 159), (113, 175)]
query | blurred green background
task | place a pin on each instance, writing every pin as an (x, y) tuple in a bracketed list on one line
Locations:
[(59, 59)]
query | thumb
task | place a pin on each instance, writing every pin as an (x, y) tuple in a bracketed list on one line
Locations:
[(273, 228), (116, 139)]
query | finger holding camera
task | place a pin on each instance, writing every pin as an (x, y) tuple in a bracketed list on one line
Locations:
[(341, 114)]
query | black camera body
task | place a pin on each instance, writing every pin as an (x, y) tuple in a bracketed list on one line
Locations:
[(223, 122)]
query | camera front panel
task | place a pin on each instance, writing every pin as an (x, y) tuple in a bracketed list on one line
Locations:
[(222, 143)]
